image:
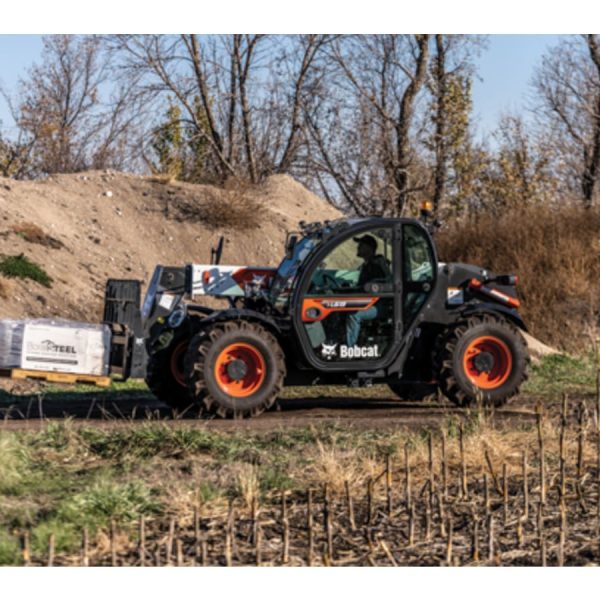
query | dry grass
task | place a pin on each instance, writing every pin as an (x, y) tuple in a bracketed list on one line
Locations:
[(4, 288), (555, 252), (334, 464), (161, 178), (35, 235), (248, 484), (233, 207), (13, 459)]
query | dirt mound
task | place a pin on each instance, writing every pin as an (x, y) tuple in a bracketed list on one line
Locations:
[(537, 349), (555, 252), (82, 229)]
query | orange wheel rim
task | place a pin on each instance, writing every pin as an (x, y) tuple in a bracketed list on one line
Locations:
[(487, 362), (240, 370), (176, 363)]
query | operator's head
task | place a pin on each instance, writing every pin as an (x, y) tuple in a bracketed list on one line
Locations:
[(367, 246)]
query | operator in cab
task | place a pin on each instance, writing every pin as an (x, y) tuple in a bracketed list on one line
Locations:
[(375, 268)]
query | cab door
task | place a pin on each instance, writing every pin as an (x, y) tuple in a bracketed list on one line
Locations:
[(347, 312), (419, 271)]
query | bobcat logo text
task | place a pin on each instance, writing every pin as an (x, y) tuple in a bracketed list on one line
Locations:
[(329, 351)]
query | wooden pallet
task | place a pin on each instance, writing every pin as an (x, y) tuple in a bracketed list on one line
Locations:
[(54, 377)]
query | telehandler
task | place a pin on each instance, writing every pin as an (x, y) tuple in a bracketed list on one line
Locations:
[(353, 301)]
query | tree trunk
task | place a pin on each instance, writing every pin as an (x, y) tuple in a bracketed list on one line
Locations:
[(243, 71), (441, 158), (403, 157), (592, 162)]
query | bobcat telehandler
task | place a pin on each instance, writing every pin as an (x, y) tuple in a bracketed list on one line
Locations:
[(354, 301)]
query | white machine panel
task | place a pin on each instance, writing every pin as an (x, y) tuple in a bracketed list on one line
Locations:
[(227, 280)]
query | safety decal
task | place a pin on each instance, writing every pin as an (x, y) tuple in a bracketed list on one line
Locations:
[(317, 309), (455, 296)]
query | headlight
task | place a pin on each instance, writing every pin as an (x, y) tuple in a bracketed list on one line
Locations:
[(177, 317)]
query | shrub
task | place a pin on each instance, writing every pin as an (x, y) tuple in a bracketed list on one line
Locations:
[(20, 266), (555, 252), (233, 207)]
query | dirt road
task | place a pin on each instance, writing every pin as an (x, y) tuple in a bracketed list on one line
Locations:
[(108, 410)]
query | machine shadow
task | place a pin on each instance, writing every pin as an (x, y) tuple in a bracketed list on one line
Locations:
[(143, 406)]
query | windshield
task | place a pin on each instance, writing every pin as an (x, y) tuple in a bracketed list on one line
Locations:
[(283, 284)]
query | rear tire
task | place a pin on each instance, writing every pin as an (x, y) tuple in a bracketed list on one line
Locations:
[(481, 358), (235, 369), (165, 376)]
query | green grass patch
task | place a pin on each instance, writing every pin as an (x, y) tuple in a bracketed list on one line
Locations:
[(274, 478), (23, 268), (63, 478), (151, 440), (208, 492), (10, 553), (107, 499), (66, 536), (562, 373)]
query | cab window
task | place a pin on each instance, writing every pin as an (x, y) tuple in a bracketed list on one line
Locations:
[(418, 270), (353, 264)]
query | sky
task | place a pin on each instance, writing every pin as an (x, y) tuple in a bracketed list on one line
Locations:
[(505, 71), (17, 53)]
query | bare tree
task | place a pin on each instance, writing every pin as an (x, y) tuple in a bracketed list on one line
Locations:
[(62, 119), (440, 76), (303, 75), (451, 72), (241, 94), (373, 122), (364, 125), (516, 173), (568, 85)]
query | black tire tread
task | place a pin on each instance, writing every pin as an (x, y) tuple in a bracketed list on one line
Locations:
[(444, 351), (195, 368)]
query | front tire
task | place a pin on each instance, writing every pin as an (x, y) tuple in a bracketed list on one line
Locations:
[(235, 369), (482, 358)]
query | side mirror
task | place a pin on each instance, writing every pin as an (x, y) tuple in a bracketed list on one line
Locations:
[(290, 245)]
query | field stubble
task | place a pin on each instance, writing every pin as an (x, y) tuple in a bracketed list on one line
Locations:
[(466, 489), (468, 493)]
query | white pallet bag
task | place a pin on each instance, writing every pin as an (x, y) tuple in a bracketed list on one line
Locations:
[(55, 345)]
